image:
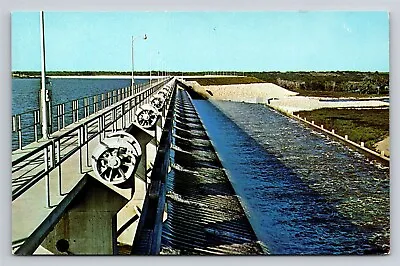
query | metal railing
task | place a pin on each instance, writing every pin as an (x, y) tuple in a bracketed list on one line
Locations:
[(150, 223), (55, 151), (27, 128)]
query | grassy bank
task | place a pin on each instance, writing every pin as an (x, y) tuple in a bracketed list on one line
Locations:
[(330, 83), (369, 126), (225, 80)]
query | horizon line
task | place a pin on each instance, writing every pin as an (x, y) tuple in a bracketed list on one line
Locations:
[(196, 71)]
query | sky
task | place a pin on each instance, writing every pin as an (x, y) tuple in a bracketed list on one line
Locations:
[(203, 41)]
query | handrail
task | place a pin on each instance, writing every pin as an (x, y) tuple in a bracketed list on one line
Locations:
[(53, 145), (153, 207), (100, 112), (59, 113)]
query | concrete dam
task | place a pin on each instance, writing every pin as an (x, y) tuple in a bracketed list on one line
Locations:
[(138, 176), (152, 170)]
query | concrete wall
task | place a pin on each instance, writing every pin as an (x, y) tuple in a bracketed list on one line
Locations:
[(89, 224)]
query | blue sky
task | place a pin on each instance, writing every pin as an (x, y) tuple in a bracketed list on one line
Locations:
[(197, 41)]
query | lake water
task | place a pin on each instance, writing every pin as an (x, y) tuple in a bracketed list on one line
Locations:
[(25, 92), (25, 97)]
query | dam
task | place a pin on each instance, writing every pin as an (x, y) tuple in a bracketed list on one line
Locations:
[(152, 170)]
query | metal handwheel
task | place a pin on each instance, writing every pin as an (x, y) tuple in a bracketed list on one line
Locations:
[(116, 158), (147, 116), (158, 101)]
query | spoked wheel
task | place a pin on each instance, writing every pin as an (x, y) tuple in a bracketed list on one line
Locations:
[(115, 160), (158, 101), (147, 116), (163, 92), (116, 167)]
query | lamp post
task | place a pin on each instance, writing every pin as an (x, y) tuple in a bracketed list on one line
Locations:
[(133, 39), (44, 97), (151, 55)]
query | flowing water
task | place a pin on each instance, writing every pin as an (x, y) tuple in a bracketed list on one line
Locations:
[(304, 193)]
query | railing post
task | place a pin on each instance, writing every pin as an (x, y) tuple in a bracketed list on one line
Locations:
[(85, 127), (134, 107), (58, 157), (35, 124), (77, 110), (80, 148), (14, 123), (19, 129), (63, 115), (94, 103), (99, 126), (123, 116), (74, 117), (73, 112), (58, 117), (103, 118), (113, 116), (86, 107), (130, 111), (47, 176), (52, 154), (102, 101)]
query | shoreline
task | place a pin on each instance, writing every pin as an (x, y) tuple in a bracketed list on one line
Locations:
[(106, 77), (94, 77), (119, 77)]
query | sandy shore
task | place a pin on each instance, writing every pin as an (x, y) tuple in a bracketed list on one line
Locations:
[(285, 100), (384, 146), (303, 103), (254, 92), (251, 93), (279, 98)]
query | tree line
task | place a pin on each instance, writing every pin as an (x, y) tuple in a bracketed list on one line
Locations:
[(335, 81)]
